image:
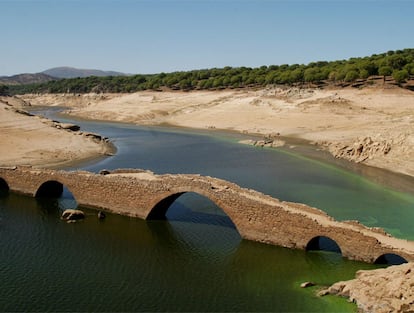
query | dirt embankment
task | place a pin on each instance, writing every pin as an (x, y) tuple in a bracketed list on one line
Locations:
[(31, 140), (373, 125)]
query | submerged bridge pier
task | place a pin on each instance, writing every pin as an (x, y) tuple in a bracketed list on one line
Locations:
[(256, 216)]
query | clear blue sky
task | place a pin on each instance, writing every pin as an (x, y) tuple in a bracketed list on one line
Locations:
[(162, 36)]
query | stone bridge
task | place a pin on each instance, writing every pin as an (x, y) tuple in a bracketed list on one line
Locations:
[(256, 216)]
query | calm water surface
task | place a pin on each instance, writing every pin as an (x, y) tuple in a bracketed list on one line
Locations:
[(195, 260)]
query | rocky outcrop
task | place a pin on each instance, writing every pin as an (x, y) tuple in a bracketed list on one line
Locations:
[(68, 126), (271, 141), (381, 291), (359, 151)]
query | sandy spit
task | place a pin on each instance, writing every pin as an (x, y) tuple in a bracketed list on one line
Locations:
[(36, 141)]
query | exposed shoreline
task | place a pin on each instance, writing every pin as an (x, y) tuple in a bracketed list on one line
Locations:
[(372, 126), (33, 140)]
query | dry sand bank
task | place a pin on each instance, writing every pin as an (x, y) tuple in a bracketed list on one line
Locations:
[(32, 140), (373, 125)]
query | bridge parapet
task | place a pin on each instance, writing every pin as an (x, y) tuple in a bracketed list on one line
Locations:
[(257, 217)]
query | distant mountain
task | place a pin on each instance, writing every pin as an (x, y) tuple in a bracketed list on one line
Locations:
[(27, 78), (71, 72)]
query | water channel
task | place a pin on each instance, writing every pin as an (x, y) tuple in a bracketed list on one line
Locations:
[(195, 260)]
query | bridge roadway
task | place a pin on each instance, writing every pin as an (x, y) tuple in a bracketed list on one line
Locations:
[(257, 217)]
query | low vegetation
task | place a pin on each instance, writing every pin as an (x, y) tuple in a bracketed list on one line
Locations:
[(4, 90), (398, 64)]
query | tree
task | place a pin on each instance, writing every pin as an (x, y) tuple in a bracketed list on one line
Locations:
[(363, 74), (409, 68), (385, 71), (4, 90), (351, 76), (400, 76), (396, 61), (296, 75), (333, 76), (368, 66), (311, 74)]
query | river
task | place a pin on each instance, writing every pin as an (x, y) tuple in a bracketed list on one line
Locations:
[(195, 260)]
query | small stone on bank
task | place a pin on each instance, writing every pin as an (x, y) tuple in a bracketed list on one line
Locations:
[(101, 215), (307, 284)]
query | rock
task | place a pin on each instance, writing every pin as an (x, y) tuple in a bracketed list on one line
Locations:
[(94, 136), (68, 126), (359, 151), (323, 292), (23, 112), (101, 215), (248, 142), (278, 143), (72, 215), (384, 290), (307, 284)]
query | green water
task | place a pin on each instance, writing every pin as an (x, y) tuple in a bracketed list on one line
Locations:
[(124, 264), (195, 260)]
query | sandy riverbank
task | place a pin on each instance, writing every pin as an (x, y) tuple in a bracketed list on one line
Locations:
[(372, 125), (31, 140)]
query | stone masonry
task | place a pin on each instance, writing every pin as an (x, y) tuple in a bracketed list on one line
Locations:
[(257, 217)]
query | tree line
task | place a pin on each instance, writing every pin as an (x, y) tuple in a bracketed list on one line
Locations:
[(398, 64)]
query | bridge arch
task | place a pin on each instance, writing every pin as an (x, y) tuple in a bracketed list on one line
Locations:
[(390, 259), (323, 243), (158, 209), (4, 186), (49, 189)]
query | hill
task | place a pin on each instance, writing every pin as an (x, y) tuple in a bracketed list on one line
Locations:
[(71, 72), (27, 78)]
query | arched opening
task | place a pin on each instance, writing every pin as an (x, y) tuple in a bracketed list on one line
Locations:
[(4, 187), (390, 259), (53, 196), (3, 184), (322, 243), (159, 212), (50, 189), (190, 207), (195, 223)]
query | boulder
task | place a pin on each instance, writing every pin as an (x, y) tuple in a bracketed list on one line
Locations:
[(307, 284), (101, 215), (68, 126), (72, 215), (382, 290)]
